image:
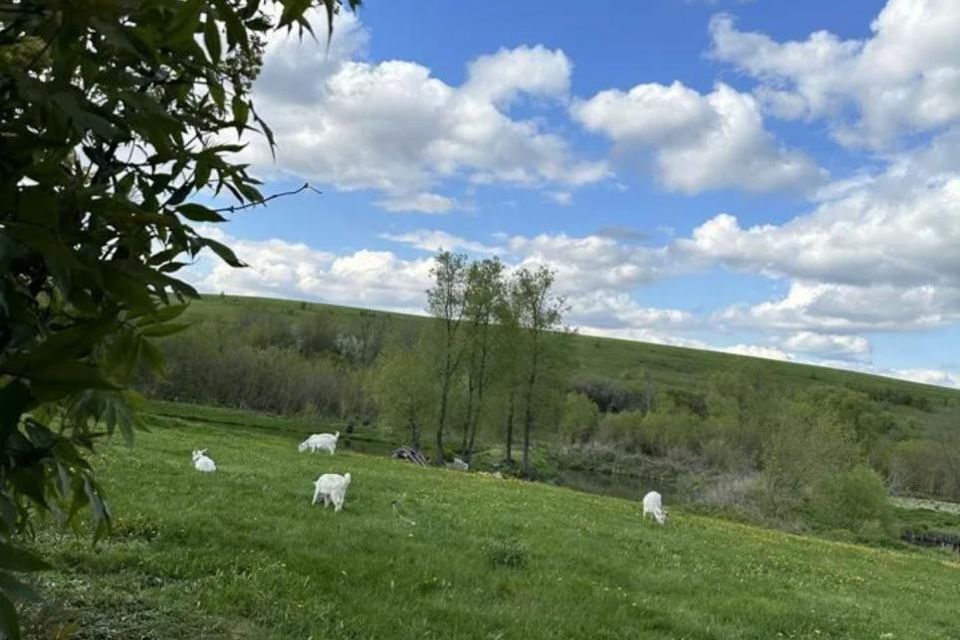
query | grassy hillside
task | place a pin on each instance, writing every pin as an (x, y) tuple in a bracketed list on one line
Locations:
[(608, 357), (242, 554)]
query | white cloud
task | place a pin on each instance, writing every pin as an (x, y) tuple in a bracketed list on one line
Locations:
[(829, 347), (590, 262), (535, 71), (938, 377), (757, 351), (904, 78), (700, 142), (377, 279), (433, 240), (845, 309), (879, 252), (393, 127), (612, 310), (420, 202)]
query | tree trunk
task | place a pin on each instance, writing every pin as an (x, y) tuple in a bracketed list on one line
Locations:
[(439, 460), (414, 434), (474, 418), (473, 427), (527, 423), (509, 453), (528, 410), (468, 420)]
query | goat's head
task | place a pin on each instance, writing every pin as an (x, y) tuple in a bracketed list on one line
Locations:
[(302, 447), (346, 478)]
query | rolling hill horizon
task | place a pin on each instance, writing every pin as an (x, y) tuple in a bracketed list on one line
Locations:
[(807, 370)]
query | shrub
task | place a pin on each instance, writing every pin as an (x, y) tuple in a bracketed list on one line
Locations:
[(854, 500), (580, 417), (507, 552), (610, 396), (623, 430)]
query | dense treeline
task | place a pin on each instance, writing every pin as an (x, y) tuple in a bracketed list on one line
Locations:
[(492, 380)]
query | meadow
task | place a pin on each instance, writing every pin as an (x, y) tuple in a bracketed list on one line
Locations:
[(242, 554)]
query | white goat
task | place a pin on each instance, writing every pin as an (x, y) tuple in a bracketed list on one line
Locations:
[(203, 463), (332, 487), (653, 504), (319, 441)]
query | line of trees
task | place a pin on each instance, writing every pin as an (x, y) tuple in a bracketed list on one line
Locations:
[(493, 356)]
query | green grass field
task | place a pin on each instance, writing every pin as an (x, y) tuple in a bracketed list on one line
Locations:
[(242, 554)]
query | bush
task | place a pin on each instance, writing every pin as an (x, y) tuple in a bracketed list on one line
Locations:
[(854, 500), (611, 396), (507, 552), (624, 431), (580, 417)]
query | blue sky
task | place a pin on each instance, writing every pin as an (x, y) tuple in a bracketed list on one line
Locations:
[(772, 178)]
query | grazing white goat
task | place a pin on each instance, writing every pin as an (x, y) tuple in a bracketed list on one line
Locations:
[(319, 441), (332, 487), (203, 463), (653, 504)]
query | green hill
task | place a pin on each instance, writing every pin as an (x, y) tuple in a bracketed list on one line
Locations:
[(610, 357), (242, 554)]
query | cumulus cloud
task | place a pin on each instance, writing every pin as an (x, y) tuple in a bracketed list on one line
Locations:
[(879, 253), (939, 377), (591, 262), (277, 268), (393, 127), (535, 71), (870, 236), (828, 346), (699, 142), (845, 308), (904, 78)]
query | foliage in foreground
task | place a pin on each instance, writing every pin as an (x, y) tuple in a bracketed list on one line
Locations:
[(112, 115), (240, 553)]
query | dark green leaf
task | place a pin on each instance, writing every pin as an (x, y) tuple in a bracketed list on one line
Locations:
[(14, 559), (81, 375), (199, 213), (152, 355), (9, 628), (186, 22), (8, 513), (226, 253), (15, 589), (211, 39), (160, 330), (241, 112), (15, 399)]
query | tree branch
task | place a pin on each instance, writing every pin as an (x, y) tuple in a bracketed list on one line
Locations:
[(234, 208)]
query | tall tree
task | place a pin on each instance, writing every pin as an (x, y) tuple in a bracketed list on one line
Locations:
[(447, 302), (508, 358), (539, 312), (484, 293), (111, 117)]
